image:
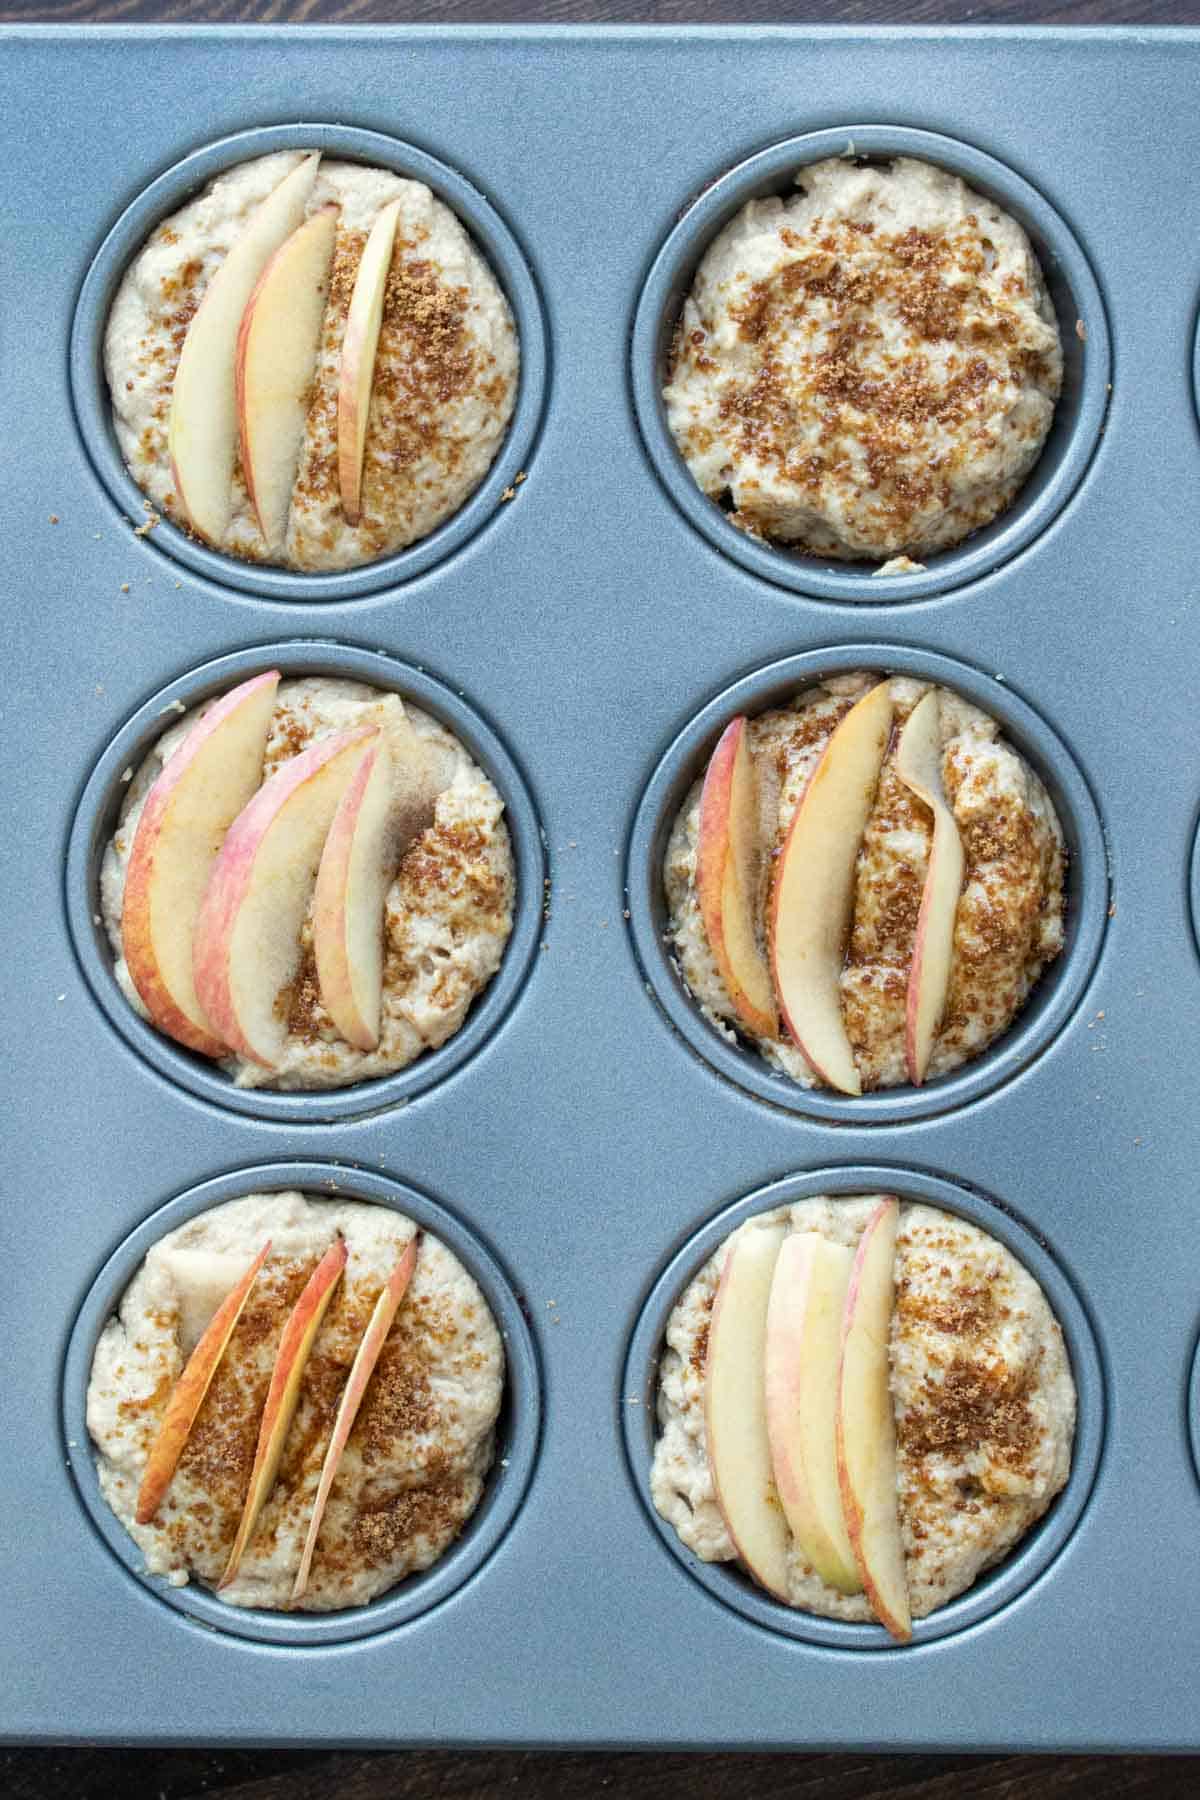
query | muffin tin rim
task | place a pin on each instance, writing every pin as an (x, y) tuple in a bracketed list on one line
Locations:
[(1053, 1002), (491, 235), (516, 1450), (1032, 1558), (98, 807), (1018, 527)]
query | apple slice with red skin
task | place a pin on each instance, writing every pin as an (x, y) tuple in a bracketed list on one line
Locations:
[(357, 865), (735, 1414), (303, 1323), (361, 1370), (814, 888), (866, 1429), (247, 940), (728, 857), (360, 342), (199, 792), (918, 763), (389, 800), (187, 1396), (202, 428), (803, 1356), (274, 364)]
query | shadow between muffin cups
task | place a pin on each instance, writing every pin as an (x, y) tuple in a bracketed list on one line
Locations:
[(165, 194), (1079, 413), (97, 813), (518, 1429), (1026, 1562), (1052, 1002)]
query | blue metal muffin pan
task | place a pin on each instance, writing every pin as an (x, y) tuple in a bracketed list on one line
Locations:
[(587, 635)]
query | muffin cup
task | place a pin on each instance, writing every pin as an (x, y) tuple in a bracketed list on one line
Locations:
[(1079, 414), (1027, 1561), (96, 817), (164, 196), (1054, 999), (517, 1433)]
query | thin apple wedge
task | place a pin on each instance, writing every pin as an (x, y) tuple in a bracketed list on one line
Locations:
[(197, 796), (814, 888), (866, 1430), (387, 803), (360, 341), (187, 1396), (735, 1416), (362, 1368), (803, 1354), (247, 940), (728, 858), (274, 364), (202, 428), (299, 1332), (919, 766)]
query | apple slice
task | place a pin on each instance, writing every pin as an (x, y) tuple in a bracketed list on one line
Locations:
[(803, 1355), (389, 800), (274, 364), (728, 855), (814, 888), (866, 1429), (735, 1414), (361, 1370), (202, 429), (919, 766), (303, 1323), (198, 794), (187, 1396), (359, 344), (247, 941)]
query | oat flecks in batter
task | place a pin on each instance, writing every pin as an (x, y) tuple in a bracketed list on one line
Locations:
[(445, 375), (1009, 924), (983, 1394), (869, 369), (448, 913), (414, 1466)]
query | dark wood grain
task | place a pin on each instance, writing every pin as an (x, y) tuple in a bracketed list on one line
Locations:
[(578, 12), (447, 1775), (95, 1774)]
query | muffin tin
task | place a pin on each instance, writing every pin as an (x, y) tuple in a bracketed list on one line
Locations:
[(590, 636)]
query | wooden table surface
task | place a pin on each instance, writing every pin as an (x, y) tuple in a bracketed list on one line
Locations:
[(95, 1774)]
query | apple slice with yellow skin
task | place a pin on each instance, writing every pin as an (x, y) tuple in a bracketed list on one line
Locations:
[(303, 1323), (866, 1429), (187, 1396), (197, 796), (247, 941), (202, 428), (728, 857), (814, 888), (735, 1413), (361, 1370), (919, 766), (803, 1356), (360, 342), (274, 364)]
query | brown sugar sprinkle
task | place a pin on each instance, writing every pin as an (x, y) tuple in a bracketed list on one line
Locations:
[(1011, 898), (972, 1406), (432, 1513), (809, 412), (219, 1453), (300, 1003), (961, 1311)]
